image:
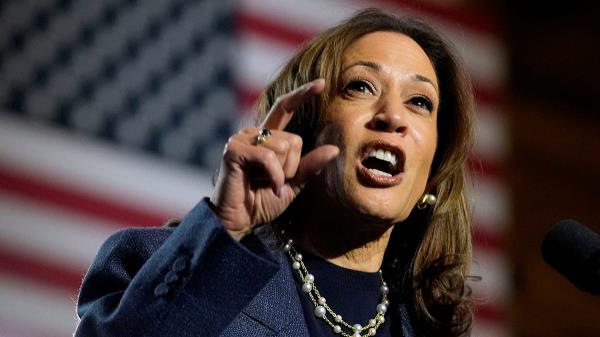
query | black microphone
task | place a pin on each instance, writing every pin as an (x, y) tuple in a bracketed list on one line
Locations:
[(574, 250)]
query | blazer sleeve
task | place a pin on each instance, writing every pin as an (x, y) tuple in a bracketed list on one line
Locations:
[(192, 280)]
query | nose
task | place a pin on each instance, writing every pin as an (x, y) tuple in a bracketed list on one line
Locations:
[(389, 118)]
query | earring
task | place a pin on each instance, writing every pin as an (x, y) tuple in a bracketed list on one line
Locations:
[(428, 199)]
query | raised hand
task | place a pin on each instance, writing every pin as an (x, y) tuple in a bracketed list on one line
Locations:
[(257, 182)]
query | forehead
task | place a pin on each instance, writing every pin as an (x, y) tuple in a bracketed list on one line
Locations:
[(395, 52)]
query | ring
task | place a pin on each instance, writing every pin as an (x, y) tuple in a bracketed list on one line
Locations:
[(263, 136)]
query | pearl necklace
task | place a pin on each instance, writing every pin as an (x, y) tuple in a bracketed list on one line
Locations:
[(322, 309)]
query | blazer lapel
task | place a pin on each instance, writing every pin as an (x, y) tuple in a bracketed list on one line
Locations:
[(277, 305)]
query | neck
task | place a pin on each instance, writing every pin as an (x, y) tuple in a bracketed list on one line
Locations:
[(356, 245), (367, 258)]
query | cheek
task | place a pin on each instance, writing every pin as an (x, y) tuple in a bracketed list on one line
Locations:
[(425, 138)]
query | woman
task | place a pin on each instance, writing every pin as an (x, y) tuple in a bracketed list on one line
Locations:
[(343, 214)]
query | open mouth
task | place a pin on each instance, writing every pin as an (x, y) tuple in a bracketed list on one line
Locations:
[(383, 159)]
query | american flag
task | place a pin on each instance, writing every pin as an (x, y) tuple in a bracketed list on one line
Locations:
[(113, 113)]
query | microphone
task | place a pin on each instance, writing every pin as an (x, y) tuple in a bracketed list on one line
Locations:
[(574, 251)]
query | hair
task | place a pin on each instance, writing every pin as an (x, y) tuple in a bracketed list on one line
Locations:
[(428, 257)]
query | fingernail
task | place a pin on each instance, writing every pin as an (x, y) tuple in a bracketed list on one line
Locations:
[(280, 192)]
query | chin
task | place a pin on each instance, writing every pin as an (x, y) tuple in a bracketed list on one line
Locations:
[(378, 205)]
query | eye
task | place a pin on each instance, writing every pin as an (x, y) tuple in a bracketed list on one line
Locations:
[(421, 102), (359, 86)]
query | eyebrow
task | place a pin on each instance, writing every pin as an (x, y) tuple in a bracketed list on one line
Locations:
[(369, 64), (422, 78), (377, 67)]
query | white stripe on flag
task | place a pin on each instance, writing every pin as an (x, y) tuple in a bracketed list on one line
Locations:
[(99, 169), (494, 287), (45, 233), (491, 200), (492, 134), (259, 60), (33, 307)]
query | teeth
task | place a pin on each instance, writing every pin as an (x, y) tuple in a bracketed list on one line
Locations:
[(384, 155), (388, 157), (379, 173)]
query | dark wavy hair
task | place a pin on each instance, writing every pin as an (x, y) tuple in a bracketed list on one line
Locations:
[(428, 257)]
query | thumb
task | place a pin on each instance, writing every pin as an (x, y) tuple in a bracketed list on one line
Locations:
[(313, 162)]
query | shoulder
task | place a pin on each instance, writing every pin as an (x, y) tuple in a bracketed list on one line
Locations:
[(120, 258), (132, 245), (141, 242), (139, 239)]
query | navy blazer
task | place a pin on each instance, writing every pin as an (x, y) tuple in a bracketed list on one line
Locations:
[(192, 280)]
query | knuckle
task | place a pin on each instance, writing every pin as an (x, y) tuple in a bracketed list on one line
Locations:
[(230, 147), (246, 131), (232, 143), (282, 146), (296, 141), (227, 152), (270, 156), (235, 138)]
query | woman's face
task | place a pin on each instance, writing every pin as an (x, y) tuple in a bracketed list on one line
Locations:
[(384, 119)]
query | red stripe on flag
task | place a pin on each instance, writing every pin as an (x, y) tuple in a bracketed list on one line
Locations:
[(42, 271), (474, 19), (70, 198), (246, 97), (289, 35), (488, 95), (487, 240), (489, 312), (481, 166)]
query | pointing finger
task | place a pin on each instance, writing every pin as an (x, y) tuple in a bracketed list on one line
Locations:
[(282, 111)]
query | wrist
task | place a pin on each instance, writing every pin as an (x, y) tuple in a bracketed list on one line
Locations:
[(230, 227)]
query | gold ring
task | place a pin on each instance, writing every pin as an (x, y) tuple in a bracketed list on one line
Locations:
[(263, 136)]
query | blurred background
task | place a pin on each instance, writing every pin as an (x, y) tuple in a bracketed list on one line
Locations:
[(113, 113)]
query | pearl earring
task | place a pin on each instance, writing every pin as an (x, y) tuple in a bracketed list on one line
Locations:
[(428, 199)]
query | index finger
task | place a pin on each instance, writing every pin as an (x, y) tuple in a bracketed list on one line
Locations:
[(282, 111)]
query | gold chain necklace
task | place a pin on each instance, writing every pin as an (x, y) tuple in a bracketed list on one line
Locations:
[(323, 311)]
